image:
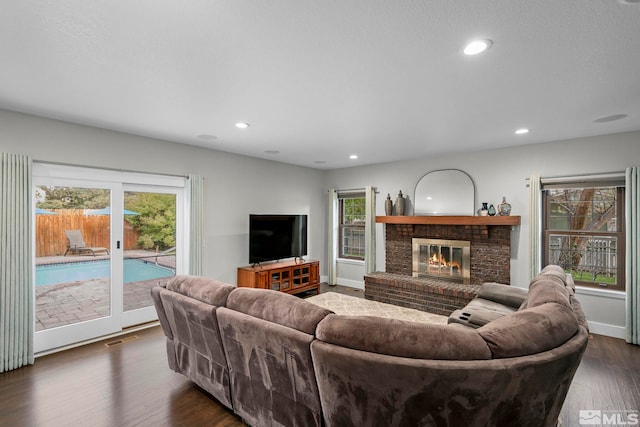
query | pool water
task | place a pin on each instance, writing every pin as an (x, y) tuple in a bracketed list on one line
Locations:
[(135, 270)]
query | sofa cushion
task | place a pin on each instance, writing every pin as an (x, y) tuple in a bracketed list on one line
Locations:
[(203, 289), (530, 331), (504, 294), (554, 270), (277, 307), (402, 338), (271, 371), (195, 349), (487, 305), (545, 289)]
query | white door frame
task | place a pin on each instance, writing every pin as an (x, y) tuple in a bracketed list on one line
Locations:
[(116, 181)]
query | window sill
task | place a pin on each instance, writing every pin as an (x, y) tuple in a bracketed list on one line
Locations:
[(350, 261), (581, 290)]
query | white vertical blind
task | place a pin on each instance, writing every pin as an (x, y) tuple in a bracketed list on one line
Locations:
[(370, 230), (16, 277), (196, 223), (332, 236), (535, 211)]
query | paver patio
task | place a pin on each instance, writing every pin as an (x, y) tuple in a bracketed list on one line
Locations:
[(67, 303)]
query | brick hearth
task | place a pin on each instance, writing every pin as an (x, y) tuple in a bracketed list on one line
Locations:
[(425, 294)]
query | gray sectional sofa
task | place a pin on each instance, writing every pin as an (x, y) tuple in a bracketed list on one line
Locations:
[(507, 358)]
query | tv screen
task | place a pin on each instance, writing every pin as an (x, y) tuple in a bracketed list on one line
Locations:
[(275, 237)]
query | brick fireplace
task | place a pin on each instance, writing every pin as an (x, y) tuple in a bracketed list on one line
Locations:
[(489, 254), (489, 261)]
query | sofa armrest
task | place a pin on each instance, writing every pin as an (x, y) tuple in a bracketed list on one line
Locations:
[(504, 294), (473, 318)]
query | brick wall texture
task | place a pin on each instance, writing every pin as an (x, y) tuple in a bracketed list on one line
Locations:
[(425, 294), (490, 253), (490, 257)]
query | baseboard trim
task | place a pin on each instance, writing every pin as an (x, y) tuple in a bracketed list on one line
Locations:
[(606, 330), (125, 331), (351, 283)]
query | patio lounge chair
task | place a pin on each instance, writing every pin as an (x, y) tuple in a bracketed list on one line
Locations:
[(77, 244)]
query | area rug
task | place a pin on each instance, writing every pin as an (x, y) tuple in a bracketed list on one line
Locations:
[(352, 306)]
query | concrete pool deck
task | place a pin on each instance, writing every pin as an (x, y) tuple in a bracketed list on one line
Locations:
[(66, 303)]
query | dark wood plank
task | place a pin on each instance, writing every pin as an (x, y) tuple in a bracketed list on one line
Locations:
[(129, 384), (608, 379)]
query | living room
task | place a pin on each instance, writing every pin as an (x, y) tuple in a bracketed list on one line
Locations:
[(248, 183), (237, 185)]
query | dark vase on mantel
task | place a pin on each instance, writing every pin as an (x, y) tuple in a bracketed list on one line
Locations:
[(492, 210), (388, 206), (400, 204)]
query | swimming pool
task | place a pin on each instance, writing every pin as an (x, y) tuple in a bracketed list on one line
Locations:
[(135, 270)]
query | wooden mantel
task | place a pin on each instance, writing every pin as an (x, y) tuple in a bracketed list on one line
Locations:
[(450, 220)]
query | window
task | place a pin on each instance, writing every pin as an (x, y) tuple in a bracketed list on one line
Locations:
[(584, 231), (352, 219)]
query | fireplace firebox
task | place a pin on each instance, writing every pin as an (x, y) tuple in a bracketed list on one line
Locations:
[(442, 259)]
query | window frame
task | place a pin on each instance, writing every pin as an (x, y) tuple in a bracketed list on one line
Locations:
[(342, 227), (619, 234)]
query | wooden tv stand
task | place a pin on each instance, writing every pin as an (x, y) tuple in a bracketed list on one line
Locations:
[(291, 276)]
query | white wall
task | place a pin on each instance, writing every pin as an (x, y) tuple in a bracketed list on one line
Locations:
[(350, 273), (234, 187), (503, 172)]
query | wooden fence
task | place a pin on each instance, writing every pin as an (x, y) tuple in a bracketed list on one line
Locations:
[(51, 239)]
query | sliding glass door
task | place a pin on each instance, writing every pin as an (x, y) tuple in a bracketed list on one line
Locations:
[(100, 245), (75, 297), (152, 245)]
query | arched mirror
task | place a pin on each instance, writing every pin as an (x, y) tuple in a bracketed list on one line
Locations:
[(445, 192)]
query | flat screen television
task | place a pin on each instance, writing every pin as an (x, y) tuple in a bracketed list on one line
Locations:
[(275, 237)]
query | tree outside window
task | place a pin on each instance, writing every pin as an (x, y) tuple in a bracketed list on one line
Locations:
[(352, 220), (584, 233)]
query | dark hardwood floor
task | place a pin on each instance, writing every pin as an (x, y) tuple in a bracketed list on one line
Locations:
[(130, 384)]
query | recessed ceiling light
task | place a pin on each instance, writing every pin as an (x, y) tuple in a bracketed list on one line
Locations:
[(522, 131), (610, 118), (207, 137), (271, 152), (242, 125), (353, 156), (477, 46)]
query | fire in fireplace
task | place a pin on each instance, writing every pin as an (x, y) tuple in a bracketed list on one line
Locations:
[(444, 259)]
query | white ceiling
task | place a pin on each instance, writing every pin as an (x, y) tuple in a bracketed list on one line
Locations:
[(321, 80)]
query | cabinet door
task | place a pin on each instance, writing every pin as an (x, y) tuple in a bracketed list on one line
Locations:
[(301, 276), (280, 280), (285, 279), (315, 273), (262, 280), (276, 276)]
